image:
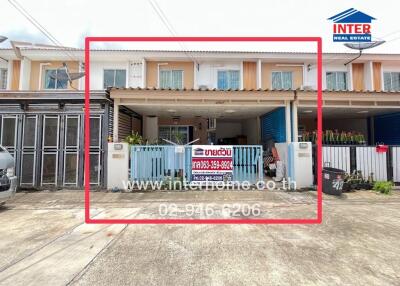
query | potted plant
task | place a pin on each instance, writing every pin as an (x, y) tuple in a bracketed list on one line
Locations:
[(134, 139)]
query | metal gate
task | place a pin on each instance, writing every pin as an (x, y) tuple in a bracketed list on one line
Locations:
[(382, 166), (157, 163), (48, 148)]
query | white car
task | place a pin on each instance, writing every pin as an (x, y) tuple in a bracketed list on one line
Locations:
[(8, 180)]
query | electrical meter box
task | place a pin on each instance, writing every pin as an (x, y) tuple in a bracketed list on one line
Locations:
[(300, 164), (118, 165)]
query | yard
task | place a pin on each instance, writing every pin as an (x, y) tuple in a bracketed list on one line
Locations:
[(44, 241)]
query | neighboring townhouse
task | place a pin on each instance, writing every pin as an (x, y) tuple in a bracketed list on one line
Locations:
[(235, 98)]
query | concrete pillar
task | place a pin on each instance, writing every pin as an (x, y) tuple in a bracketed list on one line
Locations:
[(295, 121), (195, 71), (288, 123), (350, 76), (144, 84), (116, 119), (25, 74), (241, 75), (259, 75), (9, 74)]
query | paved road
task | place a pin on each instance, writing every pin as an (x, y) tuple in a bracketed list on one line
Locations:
[(44, 241)]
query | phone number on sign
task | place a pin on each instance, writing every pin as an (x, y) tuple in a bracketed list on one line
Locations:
[(209, 210), (211, 164)]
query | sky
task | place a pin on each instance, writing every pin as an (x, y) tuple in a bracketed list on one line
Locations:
[(70, 21)]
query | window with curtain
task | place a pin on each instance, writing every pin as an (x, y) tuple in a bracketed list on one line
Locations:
[(3, 78), (336, 80), (114, 78), (281, 80), (55, 79), (171, 79), (391, 81), (228, 79)]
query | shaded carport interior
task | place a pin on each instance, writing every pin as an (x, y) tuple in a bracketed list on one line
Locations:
[(348, 111), (236, 112)]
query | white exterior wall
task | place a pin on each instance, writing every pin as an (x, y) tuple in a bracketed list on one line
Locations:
[(368, 77), (207, 73), (25, 74), (134, 72)]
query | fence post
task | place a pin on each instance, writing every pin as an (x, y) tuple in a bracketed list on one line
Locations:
[(353, 159), (389, 163)]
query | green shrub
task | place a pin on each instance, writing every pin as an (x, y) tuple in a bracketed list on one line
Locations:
[(383, 187), (134, 139)]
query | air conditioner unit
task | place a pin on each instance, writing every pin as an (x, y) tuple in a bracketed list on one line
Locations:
[(212, 123)]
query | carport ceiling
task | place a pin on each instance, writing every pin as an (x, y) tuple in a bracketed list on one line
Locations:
[(307, 112), (206, 111)]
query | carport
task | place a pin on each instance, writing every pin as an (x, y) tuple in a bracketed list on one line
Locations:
[(354, 113), (214, 116)]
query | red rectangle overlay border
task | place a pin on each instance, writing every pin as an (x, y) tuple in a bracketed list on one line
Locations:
[(317, 220)]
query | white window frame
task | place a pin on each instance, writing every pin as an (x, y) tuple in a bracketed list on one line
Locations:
[(65, 131), (391, 80), (56, 167), (98, 170), (281, 71), (229, 70), (170, 70), (23, 131), (336, 72), (55, 84), (15, 133), (172, 126), (44, 131), (76, 153), (5, 84), (100, 129), (115, 75), (34, 169)]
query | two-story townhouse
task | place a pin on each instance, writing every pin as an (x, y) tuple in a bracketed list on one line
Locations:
[(215, 97)]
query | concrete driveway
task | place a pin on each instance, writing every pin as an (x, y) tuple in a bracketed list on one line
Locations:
[(44, 241)]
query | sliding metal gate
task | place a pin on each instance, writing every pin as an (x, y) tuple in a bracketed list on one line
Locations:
[(48, 147), (382, 166), (155, 163)]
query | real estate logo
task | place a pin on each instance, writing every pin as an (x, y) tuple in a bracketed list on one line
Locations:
[(351, 26)]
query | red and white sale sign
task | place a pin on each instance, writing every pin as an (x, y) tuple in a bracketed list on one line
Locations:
[(212, 163)]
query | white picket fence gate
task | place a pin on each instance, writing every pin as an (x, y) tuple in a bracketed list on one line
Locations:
[(367, 160), (336, 157), (371, 162)]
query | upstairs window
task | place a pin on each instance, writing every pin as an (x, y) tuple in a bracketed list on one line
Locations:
[(3, 78), (282, 80), (114, 78), (228, 79), (55, 79), (391, 81), (336, 80), (171, 79)]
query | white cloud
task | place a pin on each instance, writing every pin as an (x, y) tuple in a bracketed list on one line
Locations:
[(70, 21)]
